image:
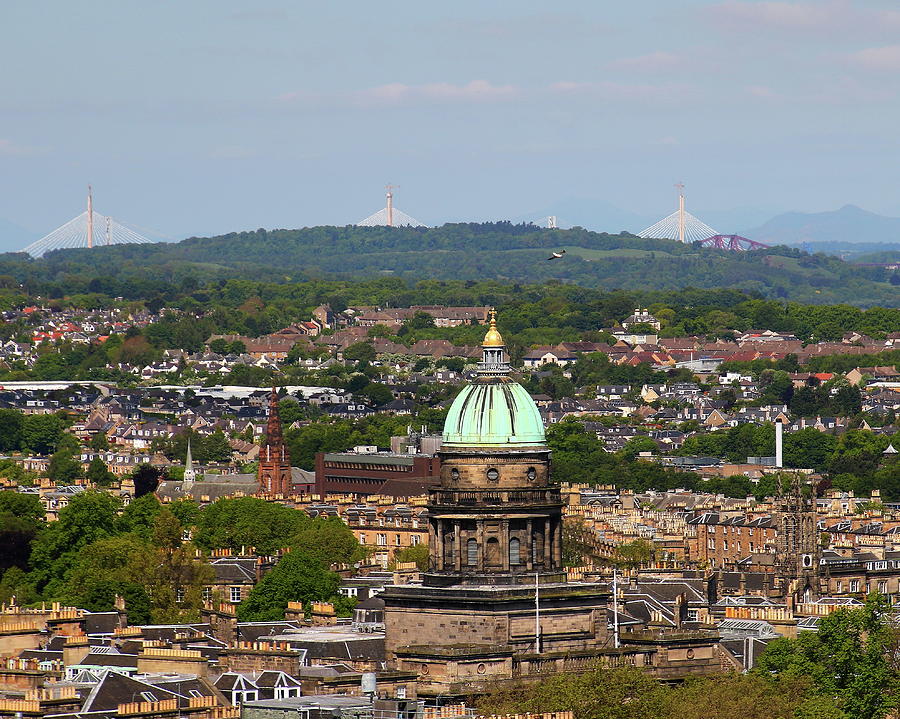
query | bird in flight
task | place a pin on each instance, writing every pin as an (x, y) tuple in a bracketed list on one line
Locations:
[(556, 255)]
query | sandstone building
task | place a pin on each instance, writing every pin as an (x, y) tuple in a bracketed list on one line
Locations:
[(495, 599)]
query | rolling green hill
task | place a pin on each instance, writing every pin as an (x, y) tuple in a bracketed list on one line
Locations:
[(500, 251)]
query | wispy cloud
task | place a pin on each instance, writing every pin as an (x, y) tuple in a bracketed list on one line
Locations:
[(822, 16), (482, 91), (14, 149), (474, 91), (624, 91), (764, 92), (650, 62), (782, 15), (232, 152), (885, 58)]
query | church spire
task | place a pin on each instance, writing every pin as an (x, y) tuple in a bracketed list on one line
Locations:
[(189, 474), (274, 472)]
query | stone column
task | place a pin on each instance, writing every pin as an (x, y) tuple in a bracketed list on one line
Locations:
[(480, 533), (504, 544), (529, 546), (439, 564), (457, 541), (548, 545), (557, 545)]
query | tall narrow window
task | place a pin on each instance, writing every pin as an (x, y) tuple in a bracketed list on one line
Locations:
[(492, 555), (472, 552), (513, 551)]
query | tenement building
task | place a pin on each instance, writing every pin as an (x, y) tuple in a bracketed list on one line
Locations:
[(495, 598)]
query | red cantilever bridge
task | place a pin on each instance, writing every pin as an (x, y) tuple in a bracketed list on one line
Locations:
[(732, 242)]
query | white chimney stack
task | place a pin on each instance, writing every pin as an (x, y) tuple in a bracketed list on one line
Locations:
[(779, 444)]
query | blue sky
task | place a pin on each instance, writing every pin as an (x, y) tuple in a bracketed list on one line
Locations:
[(198, 117)]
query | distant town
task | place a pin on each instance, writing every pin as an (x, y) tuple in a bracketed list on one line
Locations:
[(721, 494)]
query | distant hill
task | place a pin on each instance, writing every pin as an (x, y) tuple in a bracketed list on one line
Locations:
[(850, 224), (472, 251)]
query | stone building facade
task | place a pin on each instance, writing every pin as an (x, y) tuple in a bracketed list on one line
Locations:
[(496, 591)]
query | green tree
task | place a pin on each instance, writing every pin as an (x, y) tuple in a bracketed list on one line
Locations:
[(417, 553), (636, 445), (360, 352), (306, 441), (139, 516), (64, 468), (21, 518), (98, 473), (248, 522), (99, 442), (146, 479), (23, 506), (111, 562), (419, 321), (216, 447), (329, 540), (848, 658), (219, 346), (186, 511), (176, 585), (17, 583), (776, 386), (88, 517), (599, 693), (847, 401), (298, 577), (101, 597), (377, 393), (11, 421), (41, 432), (808, 448), (633, 554)]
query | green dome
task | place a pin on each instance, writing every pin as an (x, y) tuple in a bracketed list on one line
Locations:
[(495, 413)]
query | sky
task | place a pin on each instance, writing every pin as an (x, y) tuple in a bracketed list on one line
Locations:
[(199, 117)]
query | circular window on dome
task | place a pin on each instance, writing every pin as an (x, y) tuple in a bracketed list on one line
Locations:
[(531, 474), (454, 474), (493, 474)]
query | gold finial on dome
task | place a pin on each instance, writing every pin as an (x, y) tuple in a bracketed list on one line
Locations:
[(493, 337)]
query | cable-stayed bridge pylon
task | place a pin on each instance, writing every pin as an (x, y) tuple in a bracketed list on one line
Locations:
[(89, 229), (681, 225)]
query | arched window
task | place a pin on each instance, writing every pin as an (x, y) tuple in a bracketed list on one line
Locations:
[(492, 556), (472, 552), (514, 551)]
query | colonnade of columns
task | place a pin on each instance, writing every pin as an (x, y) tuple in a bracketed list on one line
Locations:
[(504, 544)]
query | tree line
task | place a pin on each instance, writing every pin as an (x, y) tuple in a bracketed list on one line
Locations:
[(470, 251), (153, 555)]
